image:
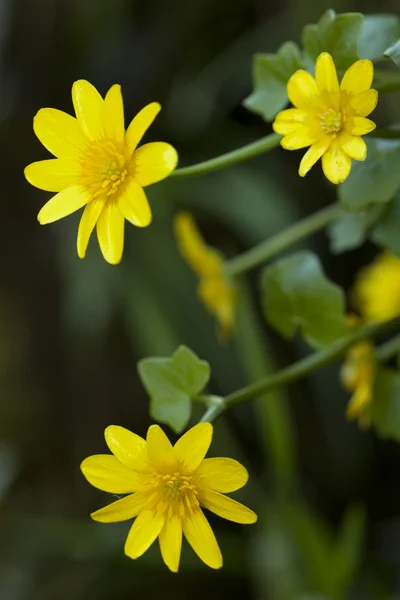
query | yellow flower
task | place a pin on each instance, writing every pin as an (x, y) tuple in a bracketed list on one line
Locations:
[(358, 376), (215, 289), (99, 166), (377, 289), (328, 117), (168, 486)]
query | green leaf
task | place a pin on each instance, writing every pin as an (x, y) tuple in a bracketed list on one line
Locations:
[(374, 180), (171, 383), (378, 32), (351, 229), (393, 52), (336, 34), (296, 294), (348, 550), (270, 76), (385, 411), (386, 233)]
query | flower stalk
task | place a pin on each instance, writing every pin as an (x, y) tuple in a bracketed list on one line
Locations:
[(307, 365), (294, 234), (229, 159)]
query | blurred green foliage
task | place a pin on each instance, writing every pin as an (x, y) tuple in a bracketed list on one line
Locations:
[(72, 331)]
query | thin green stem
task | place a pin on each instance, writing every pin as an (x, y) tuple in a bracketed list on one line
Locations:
[(281, 241), (265, 144), (300, 368), (389, 349), (273, 416)]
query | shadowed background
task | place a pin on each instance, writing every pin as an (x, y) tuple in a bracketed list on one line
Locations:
[(71, 331)]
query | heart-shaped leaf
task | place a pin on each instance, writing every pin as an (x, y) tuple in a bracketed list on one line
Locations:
[(171, 383)]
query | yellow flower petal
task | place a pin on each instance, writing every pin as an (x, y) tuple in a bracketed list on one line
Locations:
[(302, 89), (110, 233), (359, 125), (203, 260), (377, 289), (140, 124), (327, 79), (289, 120), (128, 447), (358, 77), (300, 138), (114, 124), (353, 145), (221, 475), (364, 103), (227, 508), (64, 203), (107, 473), (153, 162), (143, 532), (89, 109), (159, 448), (52, 175), (336, 164), (59, 133), (171, 542), (87, 223), (192, 447), (201, 537), (133, 204), (360, 401), (313, 154), (121, 510)]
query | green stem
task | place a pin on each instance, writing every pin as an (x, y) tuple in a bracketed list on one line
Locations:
[(281, 241), (389, 349), (300, 368), (265, 144), (273, 417)]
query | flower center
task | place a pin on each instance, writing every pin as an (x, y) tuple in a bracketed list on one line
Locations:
[(174, 494), (113, 175), (104, 168), (331, 121)]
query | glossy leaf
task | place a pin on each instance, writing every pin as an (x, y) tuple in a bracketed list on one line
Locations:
[(336, 34), (393, 52), (385, 413), (297, 295), (351, 229), (386, 233), (375, 180), (270, 76), (378, 32), (171, 382)]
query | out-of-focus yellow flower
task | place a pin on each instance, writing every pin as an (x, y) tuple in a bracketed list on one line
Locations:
[(99, 166), (358, 376), (328, 117), (215, 289), (377, 289), (168, 486)]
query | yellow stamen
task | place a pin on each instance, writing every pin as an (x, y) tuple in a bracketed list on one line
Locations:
[(331, 121)]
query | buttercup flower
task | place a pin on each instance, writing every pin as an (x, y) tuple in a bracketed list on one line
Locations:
[(215, 289), (168, 486), (99, 166), (328, 117), (358, 376), (377, 289)]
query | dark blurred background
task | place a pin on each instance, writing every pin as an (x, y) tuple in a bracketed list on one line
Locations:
[(71, 331)]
